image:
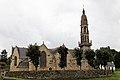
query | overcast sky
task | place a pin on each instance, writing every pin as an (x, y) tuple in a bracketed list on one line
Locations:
[(55, 22)]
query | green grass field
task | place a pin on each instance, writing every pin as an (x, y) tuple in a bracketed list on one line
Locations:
[(115, 76)]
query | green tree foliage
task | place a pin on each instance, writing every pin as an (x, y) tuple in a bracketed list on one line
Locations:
[(62, 50), (96, 63), (99, 55), (114, 53), (4, 62), (109, 52), (8, 60), (4, 56), (78, 55), (105, 58), (34, 54), (3, 65), (117, 60), (90, 56), (104, 55)]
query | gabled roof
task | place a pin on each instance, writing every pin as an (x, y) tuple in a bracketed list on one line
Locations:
[(72, 52), (22, 52), (53, 51), (43, 45), (110, 64)]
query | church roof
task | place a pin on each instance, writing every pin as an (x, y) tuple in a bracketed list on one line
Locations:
[(24, 63), (22, 52), (84, 18), (54, 50), (71, 52)]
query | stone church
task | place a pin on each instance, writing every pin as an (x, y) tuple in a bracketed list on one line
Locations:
[(50, 58)]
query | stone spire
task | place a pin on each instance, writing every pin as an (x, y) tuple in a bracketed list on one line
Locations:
[(84, 32), (84, 44), (84, 18), (83, 11)]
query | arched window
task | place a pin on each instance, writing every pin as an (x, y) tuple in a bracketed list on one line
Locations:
[(85, 38), (81, 38), (15, 61), (81, 30), (43, 59), (85, 29)]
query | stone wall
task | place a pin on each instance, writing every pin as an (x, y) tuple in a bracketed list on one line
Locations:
[(12, 66), (59, 74)]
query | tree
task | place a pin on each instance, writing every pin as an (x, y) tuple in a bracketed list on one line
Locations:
[(99, 56), (62, 50), (90, 56), (3, 65), (4, 56), (96, 63), (34, 54), (117, 60), (108, 52), (104, 55), (78, 55), (105, 58), (114, 54)]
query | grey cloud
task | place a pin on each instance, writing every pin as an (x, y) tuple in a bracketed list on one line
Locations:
[(57, 21)]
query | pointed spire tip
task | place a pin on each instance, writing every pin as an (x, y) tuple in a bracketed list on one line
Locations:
[(83, 11)]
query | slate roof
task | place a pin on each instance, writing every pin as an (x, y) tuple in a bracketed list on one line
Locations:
[(72, 52), (110, 64), (24, 63), (53, 51), (22, 52)]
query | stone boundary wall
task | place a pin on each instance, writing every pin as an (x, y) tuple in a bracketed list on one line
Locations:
[(59, 74)]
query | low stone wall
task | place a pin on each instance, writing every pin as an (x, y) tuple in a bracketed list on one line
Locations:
[(59, 74)]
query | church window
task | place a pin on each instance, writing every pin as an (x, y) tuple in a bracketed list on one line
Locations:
[(85, 29), (15, 61), (81, 38), (85, 38), (43, 59), (81, 29)]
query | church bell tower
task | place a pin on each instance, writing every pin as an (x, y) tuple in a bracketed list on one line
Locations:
[(84, 44)]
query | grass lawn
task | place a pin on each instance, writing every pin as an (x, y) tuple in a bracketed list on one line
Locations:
[(115, 76)]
